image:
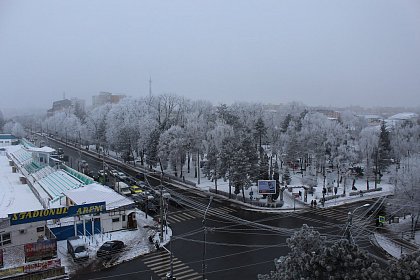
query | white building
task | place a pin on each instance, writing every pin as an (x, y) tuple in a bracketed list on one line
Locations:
[(120, 210), (8, 140), (16, 196)]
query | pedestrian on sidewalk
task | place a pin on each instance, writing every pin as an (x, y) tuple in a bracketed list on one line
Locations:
[(312, 203)]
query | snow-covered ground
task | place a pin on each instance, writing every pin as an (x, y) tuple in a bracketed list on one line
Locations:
[(296, 185), (136, 241), (402, 230), (14, 196)]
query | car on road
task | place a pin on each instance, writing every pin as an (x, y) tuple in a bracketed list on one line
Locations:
[(135, 189), (121, 176), (110, 249), (102, 173), (113, 172), (130, 181)]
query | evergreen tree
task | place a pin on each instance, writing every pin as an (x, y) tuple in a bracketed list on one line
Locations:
[(212, 167), (152, 148), (276, 171), (384, 148), (286, 177), (285, 123), (251, 157), (240, 171), (260, 130), (263, 168)]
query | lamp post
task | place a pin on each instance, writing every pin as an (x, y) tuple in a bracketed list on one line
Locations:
[(205, 239), (350, 220)]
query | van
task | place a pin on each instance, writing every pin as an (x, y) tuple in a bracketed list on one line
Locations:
[(76, 247)]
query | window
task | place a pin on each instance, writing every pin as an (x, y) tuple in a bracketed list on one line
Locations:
[(40, 229), (5, 239), (116, 220), (123, 218)]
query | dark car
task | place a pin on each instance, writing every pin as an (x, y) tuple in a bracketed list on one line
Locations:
[(110, 248)]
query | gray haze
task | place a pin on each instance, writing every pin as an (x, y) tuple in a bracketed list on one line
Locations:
[(347, 52)]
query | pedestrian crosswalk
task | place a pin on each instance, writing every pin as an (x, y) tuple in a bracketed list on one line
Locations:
[(178, 217), (337, 214), (160, 263)]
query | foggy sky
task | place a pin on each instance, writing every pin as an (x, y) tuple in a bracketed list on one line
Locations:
[(338, 53)]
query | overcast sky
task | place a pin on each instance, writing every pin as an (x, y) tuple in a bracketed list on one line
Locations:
[(346, 52)]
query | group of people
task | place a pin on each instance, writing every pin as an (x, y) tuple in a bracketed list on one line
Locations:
[(313, 203)]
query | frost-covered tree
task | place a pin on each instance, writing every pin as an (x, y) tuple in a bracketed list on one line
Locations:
[(2, 121), (311, 258), (96, 123), (406, 268), (368, 143), (172, 148), (406, 199), (15, 129)]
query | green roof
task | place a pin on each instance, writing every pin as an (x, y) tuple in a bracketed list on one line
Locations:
[(7, 136)]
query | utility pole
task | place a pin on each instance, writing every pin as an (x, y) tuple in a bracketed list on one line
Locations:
[(161, 212), (205, 239), (350, 221)]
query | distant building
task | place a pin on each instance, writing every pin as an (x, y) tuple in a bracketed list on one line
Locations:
[(106, 97), (8, 140), (373, 120), (401, 118), (67, 105), (330, 114)]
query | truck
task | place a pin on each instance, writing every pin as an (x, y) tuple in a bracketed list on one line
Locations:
[(122, 188), (76, 247)]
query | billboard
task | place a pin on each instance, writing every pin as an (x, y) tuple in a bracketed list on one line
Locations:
[(40, 266), (266, 186), (56, 213), (40, 250)]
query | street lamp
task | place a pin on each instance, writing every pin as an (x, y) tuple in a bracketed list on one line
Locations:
[(205, 239), (350, 220)]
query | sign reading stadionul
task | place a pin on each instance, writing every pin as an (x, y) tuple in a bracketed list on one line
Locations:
[(266, 186), (56, 213)]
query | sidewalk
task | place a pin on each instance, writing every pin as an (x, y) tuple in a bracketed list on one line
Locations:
[(390, 238)]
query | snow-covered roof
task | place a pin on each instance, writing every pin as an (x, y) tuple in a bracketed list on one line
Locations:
[(404, 116), (43, 149), (372, 117), (97, 193), (14, 196)]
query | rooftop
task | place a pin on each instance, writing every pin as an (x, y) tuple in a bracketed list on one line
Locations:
[(14, 196), (97, 193)]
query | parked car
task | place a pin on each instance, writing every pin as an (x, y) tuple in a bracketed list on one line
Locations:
[(110, 248), (76, 247), (113, 172)]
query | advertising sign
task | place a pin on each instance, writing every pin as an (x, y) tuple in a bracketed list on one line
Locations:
[(1, 258), (56, 213), (40, 250), (39, 266), (266, 186), (11, 271)]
